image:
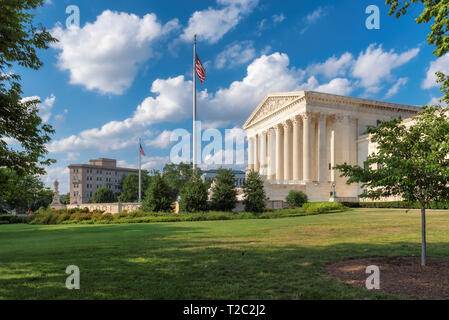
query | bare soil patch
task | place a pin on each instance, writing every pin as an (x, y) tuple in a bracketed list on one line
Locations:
[(400, 276)]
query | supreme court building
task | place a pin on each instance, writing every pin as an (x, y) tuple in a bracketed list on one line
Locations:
[(296, 138)]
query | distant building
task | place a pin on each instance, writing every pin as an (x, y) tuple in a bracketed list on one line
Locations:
[(85, 179), (239, 176)]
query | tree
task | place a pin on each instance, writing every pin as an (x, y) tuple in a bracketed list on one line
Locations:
[(224, 195), (176, 176), (296, 198), (18, 192), (19, 119), (130, 187), (104, 195), (158, 196), (194, 195), (411, 162), (43, 198), (64, 198), (254, 193)]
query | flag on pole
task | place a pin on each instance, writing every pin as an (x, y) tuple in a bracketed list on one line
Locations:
[(141, 150), (201, 73)]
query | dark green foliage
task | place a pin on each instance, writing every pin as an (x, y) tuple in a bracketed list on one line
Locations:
[(64, 198), (104, 195), (176, 176), (12, 219), (158, 197), (296, 198), (19, 42), (42, 198), (194, 195), (20, 192), (254, 193), (224, 195), (130, 187)]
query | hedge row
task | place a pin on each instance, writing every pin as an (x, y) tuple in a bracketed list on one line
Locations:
[(396, 205), (48, 216), (11, 219)]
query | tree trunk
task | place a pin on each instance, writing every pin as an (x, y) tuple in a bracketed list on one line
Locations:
[(423, 234)]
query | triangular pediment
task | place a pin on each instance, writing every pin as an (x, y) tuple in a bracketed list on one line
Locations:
[(270, 104)]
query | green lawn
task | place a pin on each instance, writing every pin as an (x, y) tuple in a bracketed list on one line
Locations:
[(236, 259)]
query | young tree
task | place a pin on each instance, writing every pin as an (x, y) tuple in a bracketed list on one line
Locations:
[(130, 187), (296, 198), (19, 120), (176, 176), (158, 196), (254, 193), (103, 195), (411, 162), (224, 195), (194, 195)]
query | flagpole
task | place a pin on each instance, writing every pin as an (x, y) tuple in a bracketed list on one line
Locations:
[(140, 163), (194, 102)]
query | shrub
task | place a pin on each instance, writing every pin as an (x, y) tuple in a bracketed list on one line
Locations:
[(194, 195), (103, 195), (254, 191), (11, 219), (158, 196), (323, 207), (296, 198), (224, 195)]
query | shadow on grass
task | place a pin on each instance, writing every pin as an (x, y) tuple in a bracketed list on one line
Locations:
[(156, 262)]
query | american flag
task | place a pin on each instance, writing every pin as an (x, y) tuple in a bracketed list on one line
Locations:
[(200, 70), (141, 150)]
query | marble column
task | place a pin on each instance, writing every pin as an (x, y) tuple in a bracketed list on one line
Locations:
[(287, 151), (321, 149), (272, 151), (307, 119), (256, 154), (263, 152), (279, 153), (251, 153), (296, 145)]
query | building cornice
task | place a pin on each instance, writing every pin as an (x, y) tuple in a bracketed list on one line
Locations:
[(275, 103)]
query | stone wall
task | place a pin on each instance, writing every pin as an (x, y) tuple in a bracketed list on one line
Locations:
[(107, 207)]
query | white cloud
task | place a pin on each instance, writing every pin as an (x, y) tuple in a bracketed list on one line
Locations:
[(57, 173), (212, 24), (43, 107), (395, 88), (436, 101), (313, 17), (169, 105), (105, 55), (235, 54), (374, 65), (333, 66), (157, 163), (278, 18), (442, 65), (162, 141), (340, 86)]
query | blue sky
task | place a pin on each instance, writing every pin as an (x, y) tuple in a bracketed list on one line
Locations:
[(126, 71)]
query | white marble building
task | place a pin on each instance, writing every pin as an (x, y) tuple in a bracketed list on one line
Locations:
[(296, 138)]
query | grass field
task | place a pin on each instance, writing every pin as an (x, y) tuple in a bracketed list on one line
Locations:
[(236, 259)]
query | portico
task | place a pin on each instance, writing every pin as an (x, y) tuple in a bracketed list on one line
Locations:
[(296, 138)]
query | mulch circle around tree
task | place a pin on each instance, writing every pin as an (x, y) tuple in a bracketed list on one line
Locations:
[(399, 276)]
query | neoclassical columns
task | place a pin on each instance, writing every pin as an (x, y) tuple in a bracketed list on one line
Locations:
[(303, 147), (321, 149), (279, 153), (263, 152), (296, 148), (251, 153), (271, 172), (287, 151), (307, 121)]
